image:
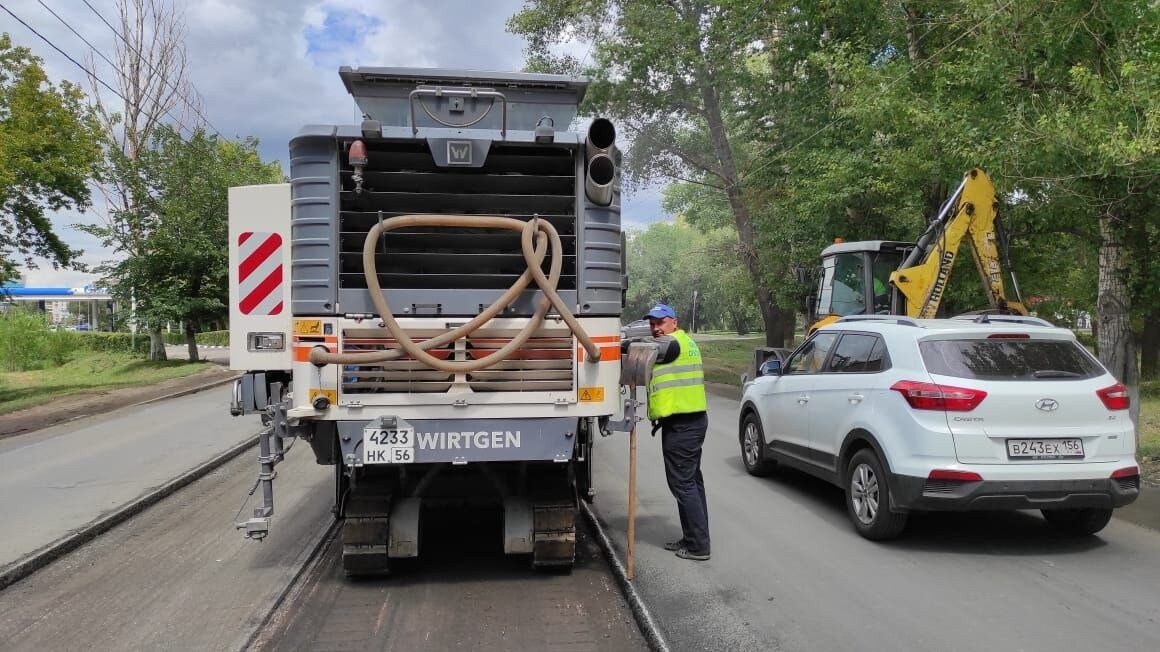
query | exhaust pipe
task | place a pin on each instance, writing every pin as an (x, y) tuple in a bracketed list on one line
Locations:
[(599, 149), (601, 138)]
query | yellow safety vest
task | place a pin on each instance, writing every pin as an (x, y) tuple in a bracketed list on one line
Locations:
[(679, 386)]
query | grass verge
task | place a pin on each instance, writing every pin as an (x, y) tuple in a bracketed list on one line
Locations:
[(1149, 432), (725, 360), (86, 371)]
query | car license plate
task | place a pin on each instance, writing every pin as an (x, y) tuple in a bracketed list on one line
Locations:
[(388, 445), (1044, 449)]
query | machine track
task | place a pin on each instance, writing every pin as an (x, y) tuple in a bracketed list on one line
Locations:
[(366, 532), (462, 592)]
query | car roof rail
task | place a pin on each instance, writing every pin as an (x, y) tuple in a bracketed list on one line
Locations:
[(904, 321), (1026, 320)]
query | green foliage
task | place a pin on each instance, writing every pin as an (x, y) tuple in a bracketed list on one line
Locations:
[(175, 254), (207, 338), (668, 261), (112, 342), (48, 153), (27, 341)]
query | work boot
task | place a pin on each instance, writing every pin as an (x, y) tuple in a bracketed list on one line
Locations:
[(674, 546), (685, 553)]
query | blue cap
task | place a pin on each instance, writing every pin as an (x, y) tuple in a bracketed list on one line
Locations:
[(660, 311)]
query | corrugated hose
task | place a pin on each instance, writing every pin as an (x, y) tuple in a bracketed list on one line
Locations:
[(545, 235)]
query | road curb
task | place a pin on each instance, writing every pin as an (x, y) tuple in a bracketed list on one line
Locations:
[(191, 390), (37, 559), (644, 619), (304, 563)]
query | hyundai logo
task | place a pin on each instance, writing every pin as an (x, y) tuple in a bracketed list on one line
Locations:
[(1047, 404)]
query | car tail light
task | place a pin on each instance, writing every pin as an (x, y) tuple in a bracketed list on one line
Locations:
[(950, 475), (929, 396), (1126, 472), (1115, 397), (1009, 336)]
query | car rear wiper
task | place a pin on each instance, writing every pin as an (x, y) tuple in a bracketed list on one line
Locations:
[(1056, 373)]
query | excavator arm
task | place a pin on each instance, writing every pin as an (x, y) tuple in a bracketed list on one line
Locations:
[(971, 213)]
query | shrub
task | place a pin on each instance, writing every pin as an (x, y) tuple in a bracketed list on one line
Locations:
[(24, 338), (112, 342)]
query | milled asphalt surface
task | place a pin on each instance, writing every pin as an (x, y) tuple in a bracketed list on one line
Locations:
[(789, 573), (60, 478), (178, 576)]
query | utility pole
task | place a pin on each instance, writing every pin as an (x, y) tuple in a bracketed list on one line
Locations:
[(694, 326)]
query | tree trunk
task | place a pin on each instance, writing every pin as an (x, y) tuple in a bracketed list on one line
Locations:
[(1150, 346), (191, 341), (1117, 347), (156, 344), (913, 39), (771, 313)]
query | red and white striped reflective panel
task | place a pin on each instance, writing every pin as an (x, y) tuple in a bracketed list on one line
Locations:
[(260, 273)]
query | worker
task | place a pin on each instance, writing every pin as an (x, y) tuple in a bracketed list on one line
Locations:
[(677, 405)]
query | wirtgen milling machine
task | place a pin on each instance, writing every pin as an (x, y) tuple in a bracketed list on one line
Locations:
[(433, 303)]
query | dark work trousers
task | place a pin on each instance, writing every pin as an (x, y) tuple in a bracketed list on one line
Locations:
[(682, 436)]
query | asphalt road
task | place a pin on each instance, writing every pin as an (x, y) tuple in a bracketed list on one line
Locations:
[(789, 573), (177, 576), (60, 478), (462, 593)]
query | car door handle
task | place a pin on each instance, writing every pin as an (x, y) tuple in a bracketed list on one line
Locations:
[(856, 398), (803, 399)]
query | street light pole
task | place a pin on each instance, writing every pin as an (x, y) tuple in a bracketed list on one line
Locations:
[(694, 327)]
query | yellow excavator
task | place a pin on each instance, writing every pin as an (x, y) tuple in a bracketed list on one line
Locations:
[(880, 277)]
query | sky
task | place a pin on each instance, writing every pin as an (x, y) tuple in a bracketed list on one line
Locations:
[(265, 68)]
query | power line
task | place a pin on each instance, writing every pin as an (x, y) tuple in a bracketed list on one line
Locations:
[(152, 69), (63, 53), (70, 28)]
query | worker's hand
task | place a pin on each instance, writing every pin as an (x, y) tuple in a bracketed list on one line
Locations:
[(656, 425)]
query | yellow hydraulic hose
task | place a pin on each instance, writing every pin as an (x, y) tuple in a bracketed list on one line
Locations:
[(543, 231)]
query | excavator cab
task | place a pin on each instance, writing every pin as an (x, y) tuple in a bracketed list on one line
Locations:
[(854, 279)]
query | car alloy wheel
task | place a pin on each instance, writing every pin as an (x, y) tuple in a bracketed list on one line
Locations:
[(751, 446), (864, 493)]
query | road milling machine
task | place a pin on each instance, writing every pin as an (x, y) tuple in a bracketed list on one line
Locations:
[(433, 303)]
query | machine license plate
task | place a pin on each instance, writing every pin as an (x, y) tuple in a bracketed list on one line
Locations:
[(1044, 449), (388, 445)]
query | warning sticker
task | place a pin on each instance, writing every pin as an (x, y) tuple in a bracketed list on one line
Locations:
[(331, 394), (308, 327), (591, 394)]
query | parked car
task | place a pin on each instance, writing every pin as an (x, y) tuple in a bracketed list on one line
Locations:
[(994, 412), (635, 329)]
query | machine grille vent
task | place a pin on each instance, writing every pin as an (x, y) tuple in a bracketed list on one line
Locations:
[(544, 363), (401, 178)]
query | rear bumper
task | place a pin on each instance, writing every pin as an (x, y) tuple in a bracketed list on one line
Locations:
[(911, 493)]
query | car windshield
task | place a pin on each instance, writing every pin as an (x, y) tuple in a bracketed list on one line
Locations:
[(1009, 359)]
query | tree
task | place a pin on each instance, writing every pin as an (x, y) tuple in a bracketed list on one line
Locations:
[(190, 246), (48, 153), (152, 84), (668, 262), (671, 73)]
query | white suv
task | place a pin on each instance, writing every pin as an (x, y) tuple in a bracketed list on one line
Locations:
[(988, 412)]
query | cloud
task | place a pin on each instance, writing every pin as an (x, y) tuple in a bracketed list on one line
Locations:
[(266, 69), (341, 33)]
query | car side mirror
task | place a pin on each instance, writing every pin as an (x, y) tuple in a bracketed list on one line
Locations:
[(771, 367)]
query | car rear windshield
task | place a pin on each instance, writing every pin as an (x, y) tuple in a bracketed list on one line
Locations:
[(1009, 359)]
